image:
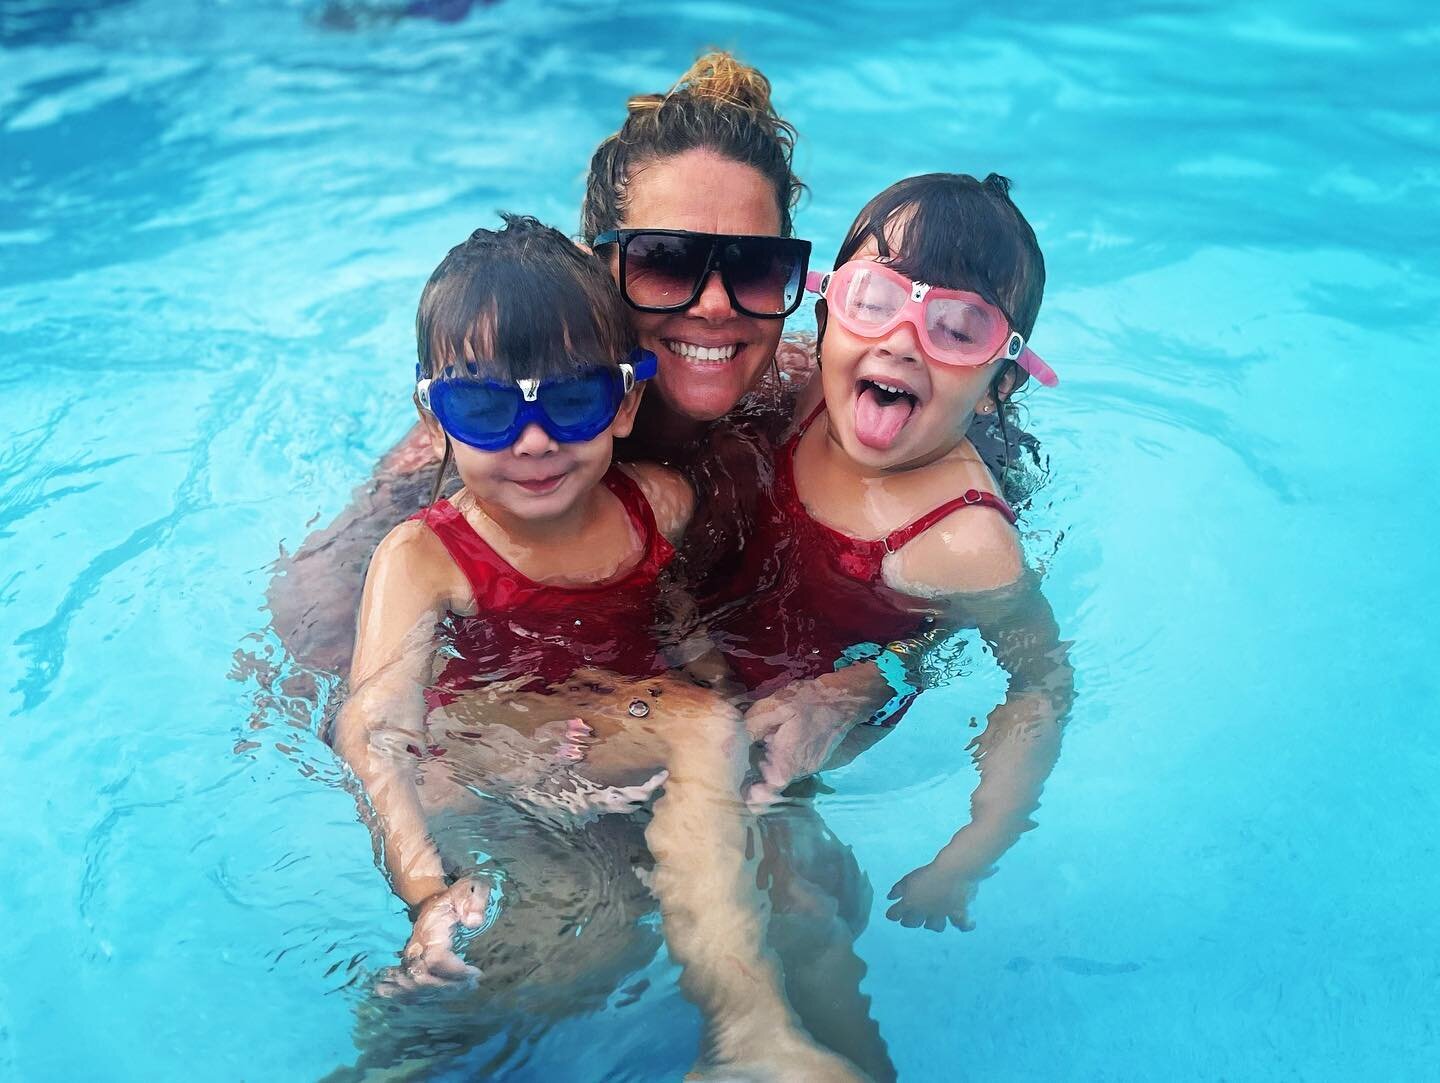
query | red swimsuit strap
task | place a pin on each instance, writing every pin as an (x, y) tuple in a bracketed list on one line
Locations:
[(971, 498), (805, 425), (472, 554), (658, 549)]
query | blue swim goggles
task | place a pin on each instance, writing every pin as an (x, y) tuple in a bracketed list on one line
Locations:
[(490, 415)]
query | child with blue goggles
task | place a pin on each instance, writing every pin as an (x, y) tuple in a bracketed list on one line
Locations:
[(545, 570)]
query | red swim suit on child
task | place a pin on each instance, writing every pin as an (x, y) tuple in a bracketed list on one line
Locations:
[(809, 594), (532, 630)]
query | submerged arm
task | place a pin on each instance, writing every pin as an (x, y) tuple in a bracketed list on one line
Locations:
[(403, 599), (701, 837), (1014, 754), (314, 594)]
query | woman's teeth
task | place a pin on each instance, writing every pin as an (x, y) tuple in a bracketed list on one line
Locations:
[(702, 353)]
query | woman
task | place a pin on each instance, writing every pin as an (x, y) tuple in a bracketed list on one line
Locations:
[(712, 157)]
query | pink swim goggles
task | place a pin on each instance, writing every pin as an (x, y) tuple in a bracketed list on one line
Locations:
[(955, 327)]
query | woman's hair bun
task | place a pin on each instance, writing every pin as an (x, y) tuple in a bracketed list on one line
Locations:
[(720, 105), (720, 76)]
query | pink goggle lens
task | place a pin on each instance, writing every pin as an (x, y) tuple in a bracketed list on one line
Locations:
[(962, 330)]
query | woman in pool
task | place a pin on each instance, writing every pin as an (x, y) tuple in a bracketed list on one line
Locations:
[(712, 157)]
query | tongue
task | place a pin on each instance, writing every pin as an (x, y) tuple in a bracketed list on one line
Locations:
[(878, 422)]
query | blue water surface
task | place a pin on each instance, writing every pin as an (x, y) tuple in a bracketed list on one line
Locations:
[(215, 219)]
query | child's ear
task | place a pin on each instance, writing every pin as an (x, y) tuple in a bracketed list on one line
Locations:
[(433, 432), (624, 422)]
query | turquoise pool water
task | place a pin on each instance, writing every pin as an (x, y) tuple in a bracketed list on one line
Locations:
[(214, 223)]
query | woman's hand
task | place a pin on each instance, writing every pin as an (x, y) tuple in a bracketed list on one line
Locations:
[(429, 959), (933, 894)]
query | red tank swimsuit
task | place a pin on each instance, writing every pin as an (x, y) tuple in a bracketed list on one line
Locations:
[(813, 592), (543, 632)]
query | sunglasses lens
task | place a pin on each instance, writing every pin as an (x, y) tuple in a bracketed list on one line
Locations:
[(963, 330), (764, 273), (583, 406), (868, 298), (473, 411), (662, 271)]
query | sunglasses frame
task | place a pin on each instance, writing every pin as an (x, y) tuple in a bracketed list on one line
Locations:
[(713, 264)]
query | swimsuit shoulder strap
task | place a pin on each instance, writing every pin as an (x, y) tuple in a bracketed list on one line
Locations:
[(658, 549), (970, 498), (804, 425), (472, 554)]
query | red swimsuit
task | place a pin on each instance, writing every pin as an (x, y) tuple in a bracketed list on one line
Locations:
[(529, 629), (812, 592)]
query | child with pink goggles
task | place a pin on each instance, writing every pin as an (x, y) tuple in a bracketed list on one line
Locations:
[(955, 327)]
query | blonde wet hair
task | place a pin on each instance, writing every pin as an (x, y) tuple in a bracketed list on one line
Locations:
[(722, 105)]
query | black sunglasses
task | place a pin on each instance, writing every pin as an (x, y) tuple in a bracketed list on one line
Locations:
[(664, 270)]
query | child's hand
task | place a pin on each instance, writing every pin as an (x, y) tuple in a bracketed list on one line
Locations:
[(795, 743), (932, 894), (429, 959)]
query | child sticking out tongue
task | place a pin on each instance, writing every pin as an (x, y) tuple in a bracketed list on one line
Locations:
[(881, 411)]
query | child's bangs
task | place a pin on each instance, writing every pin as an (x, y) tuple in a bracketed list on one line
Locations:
[(525, 304)]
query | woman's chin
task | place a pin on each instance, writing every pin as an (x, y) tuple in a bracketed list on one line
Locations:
[(704, 392)]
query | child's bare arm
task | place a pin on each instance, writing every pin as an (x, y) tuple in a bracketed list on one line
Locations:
[(406, 590), (1014, 754)]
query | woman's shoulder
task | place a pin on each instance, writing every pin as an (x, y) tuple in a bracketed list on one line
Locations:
[(670, 495)]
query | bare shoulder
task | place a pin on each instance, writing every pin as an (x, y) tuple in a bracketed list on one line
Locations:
[(411, 558), (972, 549), (670, 495)]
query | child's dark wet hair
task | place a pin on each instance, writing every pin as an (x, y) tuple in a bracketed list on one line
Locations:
[(525, 303), (959, 233)]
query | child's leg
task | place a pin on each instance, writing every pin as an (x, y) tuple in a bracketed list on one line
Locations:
[(704, 843), (820, 903)]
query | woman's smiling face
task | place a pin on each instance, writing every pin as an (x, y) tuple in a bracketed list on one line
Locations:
[(710, 355)]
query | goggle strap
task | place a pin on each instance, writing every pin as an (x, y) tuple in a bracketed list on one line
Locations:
[(422, 392), (1032, 363), (642, 365), (817, 282)]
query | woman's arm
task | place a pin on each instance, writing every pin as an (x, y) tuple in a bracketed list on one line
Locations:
[(315, 593)]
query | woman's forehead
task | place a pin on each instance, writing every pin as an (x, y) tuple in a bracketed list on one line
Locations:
[(701, 191)]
